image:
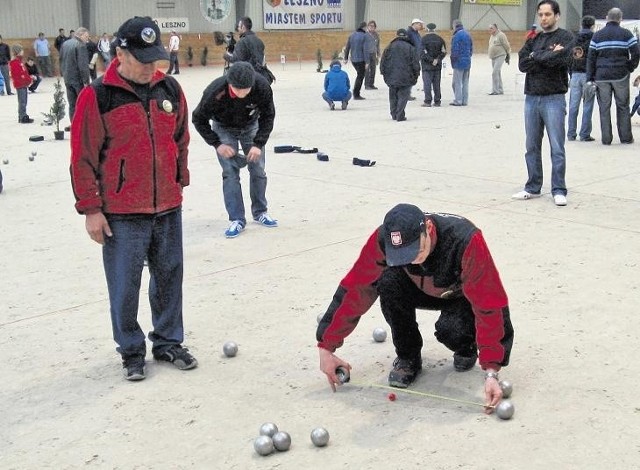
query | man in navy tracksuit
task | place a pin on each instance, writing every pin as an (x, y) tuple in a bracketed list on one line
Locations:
[(359, 45), (613, 55)]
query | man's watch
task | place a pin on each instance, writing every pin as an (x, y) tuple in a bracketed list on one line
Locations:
[(491, 375)]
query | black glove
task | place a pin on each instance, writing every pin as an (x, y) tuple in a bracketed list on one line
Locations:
[(507, 59)]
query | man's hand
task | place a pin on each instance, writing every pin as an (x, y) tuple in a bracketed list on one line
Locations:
[(226, 151), (507, 58), (97, 227), (329, 362), (492, 394), (254, 154), (558, 47)]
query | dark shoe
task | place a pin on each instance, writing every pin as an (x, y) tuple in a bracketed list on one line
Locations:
[(493, 93), (67, 129), (437, 105), (133, 368), (454, 103), (178, 356), (344, 105), (359, 97), (626, 141), (25, 120), (404, 372), (426, 105), (371, 88), (465, 359), (586, 139), (10, 93), (403, 118), (332, 106), (571, 139), (412, 98)]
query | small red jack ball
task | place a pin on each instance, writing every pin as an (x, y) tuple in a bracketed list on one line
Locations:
[(391, 397)]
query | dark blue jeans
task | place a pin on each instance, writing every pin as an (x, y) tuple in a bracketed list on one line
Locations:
[(158, 239), (431, 80)]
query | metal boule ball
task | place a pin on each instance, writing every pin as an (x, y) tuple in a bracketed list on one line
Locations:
[(343, 374), (281, 441), (5, 161), (507, 388), (31, 158), (263, 445), (34, 153), (268, 429), (505, 409), (497, 126), (379, 335), (320, 437), (230, 349)]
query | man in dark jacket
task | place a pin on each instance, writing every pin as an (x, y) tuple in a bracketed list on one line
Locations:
[(613, 55), (249, 48), (545, 59), (359, 46), (237, 109), (74, 58), (400, 68), (129, 148), (578, 72), (428, 261), (5, 57), (434, 50)]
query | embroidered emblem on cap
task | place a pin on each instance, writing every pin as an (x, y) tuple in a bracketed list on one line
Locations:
[(396, 238), (148, 35), (166, 105)]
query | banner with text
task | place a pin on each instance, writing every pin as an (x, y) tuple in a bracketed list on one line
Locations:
[(303, 14), (509, 3)]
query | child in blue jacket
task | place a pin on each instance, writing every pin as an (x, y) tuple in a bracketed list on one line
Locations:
[(336, 86)]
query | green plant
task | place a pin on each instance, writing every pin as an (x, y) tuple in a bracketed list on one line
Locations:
[(335, 55), (319, 59), (58, 111), (203, 56), (190, 56)]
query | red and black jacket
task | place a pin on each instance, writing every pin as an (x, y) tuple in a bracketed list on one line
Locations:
[(129, 156), (19, 74), (459, 264)]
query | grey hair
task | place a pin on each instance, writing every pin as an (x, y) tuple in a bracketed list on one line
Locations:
[(80, 31), (615, 14)]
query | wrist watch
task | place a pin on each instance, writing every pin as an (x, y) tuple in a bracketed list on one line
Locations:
[(491, 375)]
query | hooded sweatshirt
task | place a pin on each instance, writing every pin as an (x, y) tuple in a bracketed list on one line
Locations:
[(336, 83)]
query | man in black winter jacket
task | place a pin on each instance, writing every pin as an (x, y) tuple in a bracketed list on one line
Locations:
[(249, 48), (613, 55), (400, 68), (578, 72), (433, 52)]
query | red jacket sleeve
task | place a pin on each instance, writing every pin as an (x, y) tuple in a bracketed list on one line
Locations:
[(19, 74), (355, 295), (481, 285)]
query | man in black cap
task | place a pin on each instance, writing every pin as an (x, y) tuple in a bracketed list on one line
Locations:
[(400, 68), (434, 50), (432, 261), (237, 110), (129, 147)]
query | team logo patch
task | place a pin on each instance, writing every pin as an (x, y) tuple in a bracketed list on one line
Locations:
[(148, 35), (396, 238)]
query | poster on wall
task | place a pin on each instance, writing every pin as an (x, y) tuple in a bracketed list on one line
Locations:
[(216, 11), (509, 3), (303, 14)]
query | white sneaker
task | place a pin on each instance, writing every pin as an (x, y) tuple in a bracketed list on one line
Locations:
[(524, 195), (560, 199)]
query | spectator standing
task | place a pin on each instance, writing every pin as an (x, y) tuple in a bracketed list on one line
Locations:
[(34, 73), (60, 39), (613, 55), (174, 49), (43, 54), (92, 55), (358, 47), (75, 67), (374, 56), (413, 33), (104, 48), (21, 81), (433, 52), (336, 86), (400, 68), (499, 53), (129, 151), (5, 57), (237, 110), (461, 52), (578, 73), (545, 59)]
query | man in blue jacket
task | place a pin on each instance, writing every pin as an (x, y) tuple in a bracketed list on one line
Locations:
[(613, 55), (358, 45), (461, 52), (336, 86)]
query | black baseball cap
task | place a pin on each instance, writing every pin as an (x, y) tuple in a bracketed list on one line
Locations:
[(401, 229), (140, 35)]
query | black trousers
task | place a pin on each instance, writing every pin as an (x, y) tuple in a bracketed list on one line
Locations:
[(399, 299), (360, 70), (431, 79), (398, 97)]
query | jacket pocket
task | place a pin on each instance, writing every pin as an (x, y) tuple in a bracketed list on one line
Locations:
[(121, 178)]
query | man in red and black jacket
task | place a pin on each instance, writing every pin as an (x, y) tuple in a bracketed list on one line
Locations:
[(430, 261), (129, 147)]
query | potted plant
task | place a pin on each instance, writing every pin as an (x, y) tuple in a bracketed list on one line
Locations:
[(203, 56), (57, 112), (319, 59), (190, 56)]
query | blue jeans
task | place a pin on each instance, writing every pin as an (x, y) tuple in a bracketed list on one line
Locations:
[(23, 95), (158, 239), (231, 188), (542, 112), (329, 101), (575, 97), (460, 84), (620, 91)]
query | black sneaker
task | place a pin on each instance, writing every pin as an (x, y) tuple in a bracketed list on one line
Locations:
[(464, 361), (178, 356), (133, 368), (404, 372)]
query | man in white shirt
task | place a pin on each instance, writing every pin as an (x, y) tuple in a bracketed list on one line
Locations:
[(174, 46)]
